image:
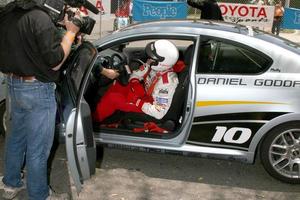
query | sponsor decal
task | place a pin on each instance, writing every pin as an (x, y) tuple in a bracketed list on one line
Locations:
[(232, 130), (231, 133), (222, 103), (162, 101), (276, 83), (163, 91), (220, 81), (236, 135)]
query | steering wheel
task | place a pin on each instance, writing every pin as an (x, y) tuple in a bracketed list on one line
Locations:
[(118, 62), (135, 64)]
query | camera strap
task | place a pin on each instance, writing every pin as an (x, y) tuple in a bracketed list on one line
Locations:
[(21, 4)]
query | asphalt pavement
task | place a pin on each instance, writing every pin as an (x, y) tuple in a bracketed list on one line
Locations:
[(59, 176), (129, 175)]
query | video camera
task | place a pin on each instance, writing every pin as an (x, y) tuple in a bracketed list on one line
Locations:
[(85, 23), (57, 10)]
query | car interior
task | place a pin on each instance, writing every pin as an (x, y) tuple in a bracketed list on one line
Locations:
[(133, 54)]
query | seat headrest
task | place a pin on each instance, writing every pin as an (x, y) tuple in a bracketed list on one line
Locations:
[(179, 66)]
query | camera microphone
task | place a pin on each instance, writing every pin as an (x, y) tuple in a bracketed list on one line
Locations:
[(84, 3), (88, 5)]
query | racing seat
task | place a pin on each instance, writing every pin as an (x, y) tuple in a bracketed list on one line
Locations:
[(172, 119)]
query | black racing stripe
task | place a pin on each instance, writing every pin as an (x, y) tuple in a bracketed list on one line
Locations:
[(240, 116), (204, 133)]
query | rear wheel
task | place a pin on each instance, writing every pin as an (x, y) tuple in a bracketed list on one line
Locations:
[(2, 118), (280, 152)]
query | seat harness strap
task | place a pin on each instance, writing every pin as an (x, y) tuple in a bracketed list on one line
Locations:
[(164, 76)]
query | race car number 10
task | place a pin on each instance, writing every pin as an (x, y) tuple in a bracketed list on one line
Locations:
[(236, 135)]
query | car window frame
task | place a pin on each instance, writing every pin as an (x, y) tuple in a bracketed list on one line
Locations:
[(219, 41), (166, 35)]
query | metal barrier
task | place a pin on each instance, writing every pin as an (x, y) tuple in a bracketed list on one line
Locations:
[(112, 20)]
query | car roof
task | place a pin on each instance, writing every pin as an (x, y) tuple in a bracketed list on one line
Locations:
[(193, 24), (176, 26)]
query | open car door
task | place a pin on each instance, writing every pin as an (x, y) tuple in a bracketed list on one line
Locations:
[(80, 145)]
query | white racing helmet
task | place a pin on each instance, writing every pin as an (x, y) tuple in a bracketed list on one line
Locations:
[(164, 52)]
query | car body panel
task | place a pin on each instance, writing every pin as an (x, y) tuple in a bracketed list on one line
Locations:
[(237, 96), (80, 145), (226, 114)]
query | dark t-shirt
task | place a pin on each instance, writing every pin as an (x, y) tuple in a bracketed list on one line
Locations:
[(30, 45), (209, 9)]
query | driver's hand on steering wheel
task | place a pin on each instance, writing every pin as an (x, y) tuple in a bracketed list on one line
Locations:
[(110, 73)]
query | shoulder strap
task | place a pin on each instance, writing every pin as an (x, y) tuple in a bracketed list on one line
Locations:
[(21, 4), (8, 8), (155, 80)]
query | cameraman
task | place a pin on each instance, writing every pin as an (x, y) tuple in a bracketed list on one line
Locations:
[(31, 54)]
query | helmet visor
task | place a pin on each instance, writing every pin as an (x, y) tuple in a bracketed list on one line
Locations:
[(151, 52)]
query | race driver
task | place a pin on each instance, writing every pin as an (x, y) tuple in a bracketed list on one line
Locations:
[(150, 89)]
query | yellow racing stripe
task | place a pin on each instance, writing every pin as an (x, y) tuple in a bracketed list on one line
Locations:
[(222, 103)]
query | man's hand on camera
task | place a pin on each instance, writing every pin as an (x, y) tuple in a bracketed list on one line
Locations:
[(70, 26)]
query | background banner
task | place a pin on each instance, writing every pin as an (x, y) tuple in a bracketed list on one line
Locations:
[(291, 18), (156, 10), (248, 14)]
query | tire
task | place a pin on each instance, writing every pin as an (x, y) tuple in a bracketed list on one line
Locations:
[(2, 118), (280, 152)]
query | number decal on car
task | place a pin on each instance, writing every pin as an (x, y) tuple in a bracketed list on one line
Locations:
[(230, 136)]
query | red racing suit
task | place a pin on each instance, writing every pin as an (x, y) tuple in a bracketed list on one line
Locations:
[(154, 98)]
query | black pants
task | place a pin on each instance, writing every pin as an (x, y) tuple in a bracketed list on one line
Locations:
[(276, 25)]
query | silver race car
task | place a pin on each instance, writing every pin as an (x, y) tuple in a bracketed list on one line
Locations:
[(238, 97)]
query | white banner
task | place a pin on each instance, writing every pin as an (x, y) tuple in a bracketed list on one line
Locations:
[(248, 14)]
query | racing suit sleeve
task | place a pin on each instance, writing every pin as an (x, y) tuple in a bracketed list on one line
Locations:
[(162, 96)]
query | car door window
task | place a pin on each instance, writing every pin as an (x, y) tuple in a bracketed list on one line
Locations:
[(225, 57)]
